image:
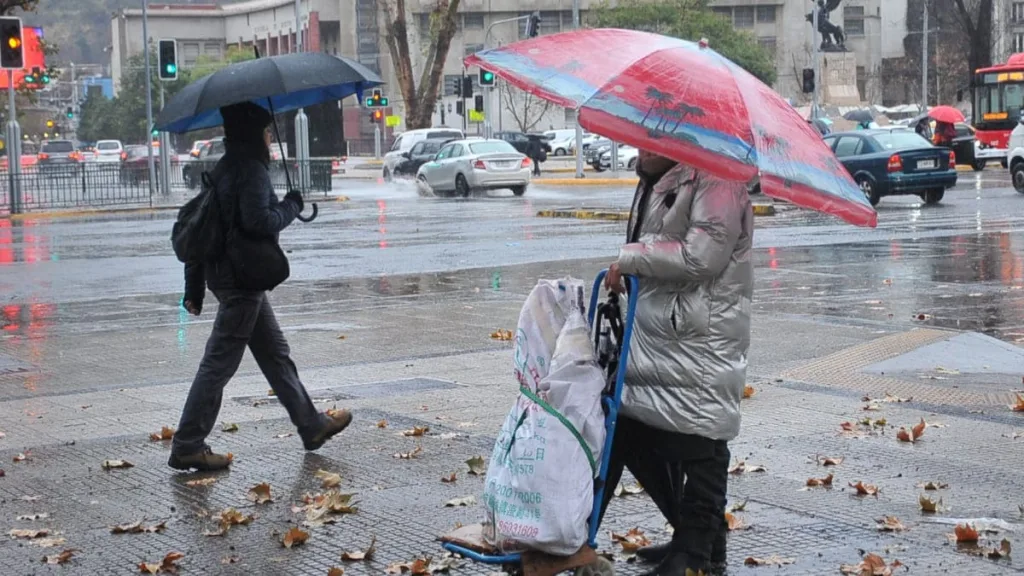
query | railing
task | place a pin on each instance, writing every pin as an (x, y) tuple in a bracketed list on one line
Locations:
[(188, 174)]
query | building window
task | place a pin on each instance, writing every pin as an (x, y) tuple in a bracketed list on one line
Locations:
[(1018, 12), (853, 20), (766, 14), (570, 117), (473, 20), (550, 23), (1018, 42), (862, 83), (423, 24), (723, 12), (743, 17), (768, 44), (473, 49), (450, 82)]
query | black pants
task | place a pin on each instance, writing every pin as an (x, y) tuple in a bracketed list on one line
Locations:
[(536, 166), (686, 476), (244, 318)]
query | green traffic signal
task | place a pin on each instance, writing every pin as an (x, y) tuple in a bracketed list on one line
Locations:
[(171, 68), (46, 78)]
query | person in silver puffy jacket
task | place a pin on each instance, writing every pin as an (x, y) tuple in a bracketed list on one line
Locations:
[(689, 243)]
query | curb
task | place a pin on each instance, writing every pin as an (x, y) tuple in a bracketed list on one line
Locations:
[(631, 182), (622, 215), (60, 214)]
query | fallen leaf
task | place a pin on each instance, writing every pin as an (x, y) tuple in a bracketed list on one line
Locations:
[(47, 542), (734, 523), (502, 335), (138, 528), (284, 435), (229, 427), (631, 541), (865, 489), (334, 570), (895, 399), (748, 391), (933, 486), (449, 479), (944, 370), (359, 556), (741, 467), (622, 490), (918, 429), (226, 519), (880, 423), (848, 426), (28, 533), (112, 464), (328, 479), (903, 436), (167, 565), (382, 424), (815, 482), (829, 461), (477, 465), (230, 560), (260, 494), (416, 431), (738, 507), (464, 501), (871, 407), (773, 560), (21, 456), (63, 558), (165, 433), (887, 281), (870, 565), (1002, 552), (294, 537), (965, 533), (409, 455), (929, 505), (320, 507), (34, 517), (341, 337), (890, 524), (1019, 406), (201, 482)]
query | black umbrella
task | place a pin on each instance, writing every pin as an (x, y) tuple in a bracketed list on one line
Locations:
[(860, 116), (279, 83)]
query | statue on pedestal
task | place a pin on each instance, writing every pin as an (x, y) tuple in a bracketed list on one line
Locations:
[(832, 37)]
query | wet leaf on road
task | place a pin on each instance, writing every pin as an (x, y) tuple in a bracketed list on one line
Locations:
[(138, 528), (229, 517), (450, 478), (1019, 406), (28, 533), (166, 566), (22, 456), (464, 501), (824, 482), (741, 467), (748, 391), (830, 461), (477, 465), (622, 490), (260, 493), (63, 558), (870, 565), (382, 424), (229, 427), (360, 555), (890, 524), (33, 517), (964, 534), (895, 399), (230, 560), (864, 489), (334, 570), (929, 505), (1002, 552), (739, 507), (294, 537), (328, 479), (502, 335), (933, 486), (416, 431), (409, 455), (914, 434), (871, 407), (47, 542), (631, 541), (734, 523), (201, 482), (773, 560), (165, 433), (319, 507)]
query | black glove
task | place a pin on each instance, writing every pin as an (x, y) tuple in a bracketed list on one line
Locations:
[(295, 196), (194, 305)]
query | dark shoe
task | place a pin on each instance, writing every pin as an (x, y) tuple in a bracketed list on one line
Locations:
[(718, 568), (677, 564), (655, 552), (336, 422), (204, 461)]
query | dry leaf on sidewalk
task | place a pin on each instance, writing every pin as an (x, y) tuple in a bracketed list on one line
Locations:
[(964, 534), (260, 494), (734, 523), (229, 427), (929, 505), (864, 489), (382, 424), (823, 482), (166, 566), (165, 433), (890, 524), (450, 478), (138, 528), (335, 571), (28, 533), (416, 431), (870, 565), (201, 482), (1019, 406), (319, 507), (21, 456), (33, 517), (47, 542), (773, 560), (631, 541), (294, 537), (359, 556), (827, 461), (328, 479), (895, 399), (63, 558), (933, 486), (622, 490), (477, 465), (409, 455), (502, 335), (748, 391), (914, 434), (464, 501), (741, 467)]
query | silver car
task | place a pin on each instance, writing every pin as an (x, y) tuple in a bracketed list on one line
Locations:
[(464, 166), (109, 152)]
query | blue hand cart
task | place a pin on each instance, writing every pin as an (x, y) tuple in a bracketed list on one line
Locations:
[(612, 336)]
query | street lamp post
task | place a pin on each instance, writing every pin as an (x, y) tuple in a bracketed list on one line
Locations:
[(149, 98)]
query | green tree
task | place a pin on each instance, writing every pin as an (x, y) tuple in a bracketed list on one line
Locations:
[(691, 20), (206, 65)]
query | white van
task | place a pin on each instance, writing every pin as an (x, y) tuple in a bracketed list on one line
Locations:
[(406, 140)]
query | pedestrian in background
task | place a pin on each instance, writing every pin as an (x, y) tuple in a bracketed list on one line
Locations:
[(944, 134), (246, 199), (689, 242)]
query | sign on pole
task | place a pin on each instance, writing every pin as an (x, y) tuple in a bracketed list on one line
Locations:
[(393, 121)]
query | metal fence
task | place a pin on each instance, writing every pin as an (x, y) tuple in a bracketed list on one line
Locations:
[(99, 185)]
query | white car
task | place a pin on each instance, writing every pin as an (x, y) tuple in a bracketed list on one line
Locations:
[(406, 140), (1015, 157), (109, 152), (464, 166), (627, 157)]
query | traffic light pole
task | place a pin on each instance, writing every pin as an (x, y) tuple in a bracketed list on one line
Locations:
[(13, 147), (301, 120), (149, 99), (165, 154), (579, 129), (376, 140), (489, 91), (815, 54)]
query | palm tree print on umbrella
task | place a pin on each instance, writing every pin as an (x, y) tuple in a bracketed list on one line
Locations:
[(661, 101)]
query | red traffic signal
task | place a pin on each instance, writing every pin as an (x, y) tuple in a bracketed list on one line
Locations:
[(377, 115)]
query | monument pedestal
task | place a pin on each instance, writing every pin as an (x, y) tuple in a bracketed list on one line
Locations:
[(839, 79)]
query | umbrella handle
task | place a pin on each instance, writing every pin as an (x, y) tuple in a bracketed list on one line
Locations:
[(311, 217)]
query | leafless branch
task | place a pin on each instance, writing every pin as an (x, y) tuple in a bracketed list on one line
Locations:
[(527, 110)]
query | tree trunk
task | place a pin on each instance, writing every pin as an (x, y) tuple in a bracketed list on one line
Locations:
[(976, 20)]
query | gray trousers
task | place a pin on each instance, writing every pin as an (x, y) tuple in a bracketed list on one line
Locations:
[(244, 318)]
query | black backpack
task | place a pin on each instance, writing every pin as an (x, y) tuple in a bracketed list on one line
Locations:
[(197, 235)]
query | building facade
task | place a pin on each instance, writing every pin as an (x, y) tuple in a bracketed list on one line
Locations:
[(354, 28), (1008, 29)]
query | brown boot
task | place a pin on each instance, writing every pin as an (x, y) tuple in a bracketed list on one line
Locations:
[(337, 420), (204, 461)]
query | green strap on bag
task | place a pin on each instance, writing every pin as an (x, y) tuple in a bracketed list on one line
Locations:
[(565, 422)]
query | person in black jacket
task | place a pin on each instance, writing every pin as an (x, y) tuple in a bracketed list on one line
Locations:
[(246, 198)]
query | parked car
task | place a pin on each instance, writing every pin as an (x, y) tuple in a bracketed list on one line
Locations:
[(627, 157), (464, 166), (593, 154), (893, 161), (421, 153), (29, 156), (521, 140), (1015, 157), (209, 154), (406, 140), (135, 167), (58, 158), (109, 152), (197, 147)]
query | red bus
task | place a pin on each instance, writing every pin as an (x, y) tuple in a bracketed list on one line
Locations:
[(998, 100)]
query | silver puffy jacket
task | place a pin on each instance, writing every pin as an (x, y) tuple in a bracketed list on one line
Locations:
[(688, 359)]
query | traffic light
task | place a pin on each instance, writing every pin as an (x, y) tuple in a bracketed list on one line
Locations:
[(458, 86), (12, 51), (70, 113), (478, 103), (467, 87), (44, 78), (49, 123), (167, 57), (459, 109), (376, 116), (808, 80), (533, 25), (486, 78), (32, 76), (377, 100)]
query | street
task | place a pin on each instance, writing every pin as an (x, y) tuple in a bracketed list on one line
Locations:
[(389, 310)]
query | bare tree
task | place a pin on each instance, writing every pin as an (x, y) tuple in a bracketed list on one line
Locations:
[(975, 19), (10, 6), (527, 110), (419, 97)]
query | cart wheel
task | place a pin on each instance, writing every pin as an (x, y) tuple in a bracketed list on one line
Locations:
[(600, 567)]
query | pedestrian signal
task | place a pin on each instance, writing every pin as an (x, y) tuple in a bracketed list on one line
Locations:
[(486, 78), (808, 80), (478, 103)]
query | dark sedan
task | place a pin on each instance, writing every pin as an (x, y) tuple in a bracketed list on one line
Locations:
[(421, 153), (894, 161)]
